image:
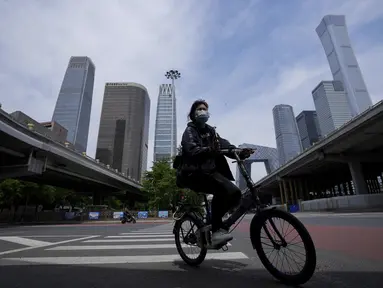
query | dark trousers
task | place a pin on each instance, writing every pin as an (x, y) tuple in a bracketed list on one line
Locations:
[(225, 194)]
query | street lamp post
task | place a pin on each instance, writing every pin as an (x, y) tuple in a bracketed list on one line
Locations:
[(172, 74)]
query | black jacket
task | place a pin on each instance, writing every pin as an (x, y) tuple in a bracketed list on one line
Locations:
[(197, 145)]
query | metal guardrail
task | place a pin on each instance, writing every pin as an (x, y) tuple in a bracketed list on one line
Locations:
[(28, 130)]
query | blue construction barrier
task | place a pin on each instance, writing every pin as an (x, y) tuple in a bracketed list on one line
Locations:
[(294, 208)]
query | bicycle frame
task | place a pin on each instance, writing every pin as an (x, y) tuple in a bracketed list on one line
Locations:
[(249, 196)]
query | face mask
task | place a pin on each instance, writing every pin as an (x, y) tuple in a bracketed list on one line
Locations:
[(202, 116)]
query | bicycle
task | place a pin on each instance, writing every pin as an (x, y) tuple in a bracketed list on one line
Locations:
[(263, 213)]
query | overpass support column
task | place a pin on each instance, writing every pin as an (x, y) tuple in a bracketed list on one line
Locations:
[(360, 184), (291, 186), (285, 192), (281, 193), (300, 189)]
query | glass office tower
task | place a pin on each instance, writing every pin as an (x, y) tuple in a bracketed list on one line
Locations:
[(286, 133), (165, 137), (124, 128), (308, 128), (74, 104), (331, 104), (344, 66)]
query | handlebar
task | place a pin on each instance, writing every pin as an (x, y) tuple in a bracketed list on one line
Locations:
[(235, 150)]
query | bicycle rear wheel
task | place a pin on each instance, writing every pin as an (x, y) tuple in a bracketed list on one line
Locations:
[(278, 234)]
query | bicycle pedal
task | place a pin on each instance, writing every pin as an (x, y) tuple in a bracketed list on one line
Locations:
[(225, 248)]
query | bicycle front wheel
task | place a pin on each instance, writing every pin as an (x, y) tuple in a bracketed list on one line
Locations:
[(186, 237), (273, 239)]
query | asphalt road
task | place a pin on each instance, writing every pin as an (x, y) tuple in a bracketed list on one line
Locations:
[(112, 255)]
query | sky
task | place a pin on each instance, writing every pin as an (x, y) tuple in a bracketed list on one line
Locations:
[(242, 56)]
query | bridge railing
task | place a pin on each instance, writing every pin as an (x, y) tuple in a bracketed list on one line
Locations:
[(68, 146)]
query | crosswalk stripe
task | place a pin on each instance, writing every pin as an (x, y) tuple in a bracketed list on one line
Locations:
[(116, 247), (142, 236), (89, 260), (128, 240), (25, 241), (148, 233)]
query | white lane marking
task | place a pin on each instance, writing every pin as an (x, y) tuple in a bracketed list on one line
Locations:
[(141, 236), (55, 236), (147, 233), (129, 240), (116, 247), (25, 241), (52, 244), (123, 259)]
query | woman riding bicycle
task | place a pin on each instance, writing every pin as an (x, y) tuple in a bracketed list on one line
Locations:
[(204, 170)]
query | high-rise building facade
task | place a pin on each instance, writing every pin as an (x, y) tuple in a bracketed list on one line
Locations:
[(331, 105), (165, 136), (124, 128), (267, 155), (74, 104), (308, 127), (286, 133), (344, 66)]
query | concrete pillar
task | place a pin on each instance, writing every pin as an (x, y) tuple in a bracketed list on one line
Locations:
[(370, 188), (306, 190), (352, 188), (349, 188), (281, 192), (360, 184), (300, 188), (291, 188), (377, 185), (285, 192)]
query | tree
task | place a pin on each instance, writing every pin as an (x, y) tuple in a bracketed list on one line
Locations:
[(160, 184), (11, 193)]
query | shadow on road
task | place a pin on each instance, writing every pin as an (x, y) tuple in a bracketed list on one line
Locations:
[(212, 274)]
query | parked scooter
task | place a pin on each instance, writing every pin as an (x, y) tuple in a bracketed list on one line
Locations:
[(127, 217)]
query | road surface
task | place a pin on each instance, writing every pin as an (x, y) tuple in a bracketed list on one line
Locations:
[(144, 255)]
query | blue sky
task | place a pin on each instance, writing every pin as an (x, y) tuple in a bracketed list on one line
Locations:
[(243, 57)]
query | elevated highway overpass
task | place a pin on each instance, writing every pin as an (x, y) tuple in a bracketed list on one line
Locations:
[(346, 162), (30, 156)]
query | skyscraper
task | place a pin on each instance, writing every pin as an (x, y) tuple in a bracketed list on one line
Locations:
[(330, 102), (165, 136), (74, 104), (333, 34), (308, 128), (267, 155), (124, 128), (286, 133)]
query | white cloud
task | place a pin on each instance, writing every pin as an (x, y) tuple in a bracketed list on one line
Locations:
[(245, 62), (127, 40)]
